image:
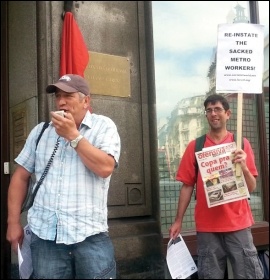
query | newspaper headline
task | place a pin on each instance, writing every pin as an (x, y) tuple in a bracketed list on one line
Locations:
[(220, 182)]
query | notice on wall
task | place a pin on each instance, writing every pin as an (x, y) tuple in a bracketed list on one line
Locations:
[(240, 58)]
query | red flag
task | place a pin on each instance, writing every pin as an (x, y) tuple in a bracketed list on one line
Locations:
[(74, 52)]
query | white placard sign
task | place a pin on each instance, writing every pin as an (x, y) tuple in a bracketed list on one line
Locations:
[(240, 51)]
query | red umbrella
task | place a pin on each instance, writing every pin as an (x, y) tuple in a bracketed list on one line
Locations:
[(74, 52)]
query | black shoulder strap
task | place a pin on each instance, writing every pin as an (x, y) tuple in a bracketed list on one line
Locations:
[(235, 140), (45, 125), (199, 143)]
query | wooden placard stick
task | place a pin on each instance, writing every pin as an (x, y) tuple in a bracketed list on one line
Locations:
[(238, 169)]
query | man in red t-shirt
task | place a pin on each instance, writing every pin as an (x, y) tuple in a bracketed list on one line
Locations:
[(222, 231)]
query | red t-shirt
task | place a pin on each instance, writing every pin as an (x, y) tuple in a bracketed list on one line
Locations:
[(223, 218)]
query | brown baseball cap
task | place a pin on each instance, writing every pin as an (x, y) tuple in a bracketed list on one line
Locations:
[(70, 83)]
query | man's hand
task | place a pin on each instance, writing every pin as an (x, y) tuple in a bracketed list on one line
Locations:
[(65, 126), (240, 157), (15, 235), (175, 229)]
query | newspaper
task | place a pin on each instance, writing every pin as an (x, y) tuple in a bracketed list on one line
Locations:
[(218, 174), (179, 260)]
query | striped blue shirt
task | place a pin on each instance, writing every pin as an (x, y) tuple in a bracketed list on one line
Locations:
[(71, 203)]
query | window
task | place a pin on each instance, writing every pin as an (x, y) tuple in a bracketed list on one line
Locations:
[(185, 41)]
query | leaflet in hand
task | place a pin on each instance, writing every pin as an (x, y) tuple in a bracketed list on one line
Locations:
[(179, 260), (24, 255), (218, 174)]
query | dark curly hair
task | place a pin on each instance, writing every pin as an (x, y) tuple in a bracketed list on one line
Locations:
[(214, 98)]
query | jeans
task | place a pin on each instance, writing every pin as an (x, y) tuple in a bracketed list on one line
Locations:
[(214, 248), (92, 258)]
